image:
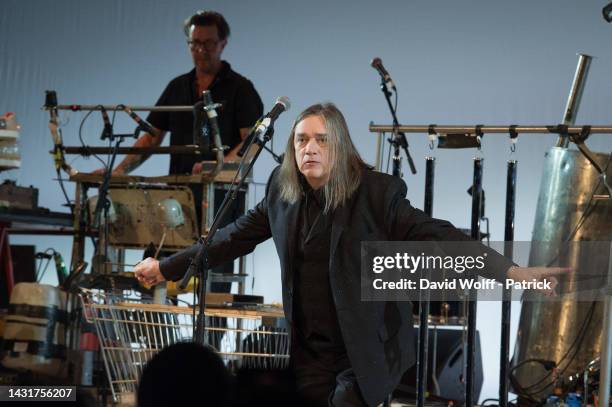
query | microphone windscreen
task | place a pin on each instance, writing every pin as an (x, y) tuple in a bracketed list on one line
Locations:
[(284, 100)]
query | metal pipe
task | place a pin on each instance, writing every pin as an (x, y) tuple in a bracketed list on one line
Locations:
[(423, 344), (379, 148), (430, 167), (476, 198), (56, 134), (179, 150), (575, 95), (606, 344), (423, 348), (504, 359), (472, 304), (510, 201), (77, 108), (488, 129)]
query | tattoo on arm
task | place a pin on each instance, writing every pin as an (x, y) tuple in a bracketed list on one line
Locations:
[(133, 161)]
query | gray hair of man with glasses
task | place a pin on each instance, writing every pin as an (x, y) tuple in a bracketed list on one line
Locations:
[(208, 18)]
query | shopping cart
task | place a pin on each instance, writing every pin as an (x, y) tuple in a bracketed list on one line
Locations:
[(131, 331)]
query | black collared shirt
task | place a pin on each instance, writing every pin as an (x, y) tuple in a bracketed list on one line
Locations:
[(241, 107), (316, 319)]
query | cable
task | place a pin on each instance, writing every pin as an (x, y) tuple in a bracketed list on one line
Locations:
[(40, 275), (110, 140), (575, 344), (395, 107), (61, 183), (81, 134)]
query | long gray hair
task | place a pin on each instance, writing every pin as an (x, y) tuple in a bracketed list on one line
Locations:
[(345, 163)]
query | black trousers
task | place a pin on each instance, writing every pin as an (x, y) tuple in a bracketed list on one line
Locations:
[(325, 379)]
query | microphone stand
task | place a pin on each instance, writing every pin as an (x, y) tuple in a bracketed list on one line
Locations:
[(199, 264), (251, 139), (399, 138), (277, 158), (103, 203)]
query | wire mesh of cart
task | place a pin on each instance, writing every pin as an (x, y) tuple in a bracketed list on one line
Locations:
[(131, 331)]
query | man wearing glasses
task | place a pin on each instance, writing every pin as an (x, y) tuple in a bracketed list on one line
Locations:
[(207, 34)]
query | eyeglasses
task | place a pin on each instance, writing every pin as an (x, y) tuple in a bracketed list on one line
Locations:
[(199, 46)]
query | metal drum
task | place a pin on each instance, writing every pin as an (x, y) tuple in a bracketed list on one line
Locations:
[(566, 330), (139, 216), (35, 330)]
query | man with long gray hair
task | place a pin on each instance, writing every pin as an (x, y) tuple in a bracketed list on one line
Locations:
[(319, 206)]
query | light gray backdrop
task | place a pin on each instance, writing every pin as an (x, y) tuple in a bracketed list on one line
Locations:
[(454, 62)]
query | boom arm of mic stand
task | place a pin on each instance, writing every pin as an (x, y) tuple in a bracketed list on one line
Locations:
[(276, 157), (255, 140)]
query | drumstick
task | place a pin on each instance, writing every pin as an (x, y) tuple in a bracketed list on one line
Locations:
[(161, 243)]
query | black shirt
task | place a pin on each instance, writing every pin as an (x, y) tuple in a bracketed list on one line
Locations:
[(241, 107), (315, 312)]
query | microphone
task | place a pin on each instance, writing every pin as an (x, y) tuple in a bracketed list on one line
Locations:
[(142, 124), (51, 104), (211, 112), (378, 65), (282, 104), (198, 124), (108, 128), (262, 126), (607, 13)]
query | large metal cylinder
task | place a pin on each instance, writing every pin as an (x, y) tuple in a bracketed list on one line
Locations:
[(548, 330)]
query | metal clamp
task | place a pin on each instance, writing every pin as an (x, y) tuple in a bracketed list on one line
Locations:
[(479, 134), (513, 137), (431, 135)]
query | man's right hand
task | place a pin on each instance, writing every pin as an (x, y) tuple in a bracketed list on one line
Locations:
[(147, 272)]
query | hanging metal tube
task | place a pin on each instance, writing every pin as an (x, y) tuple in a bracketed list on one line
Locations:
[(423, 348), (575, 95), (423, 344), (472, 304), (476, 198), (510, 202), (504, 359), (430, 167)]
